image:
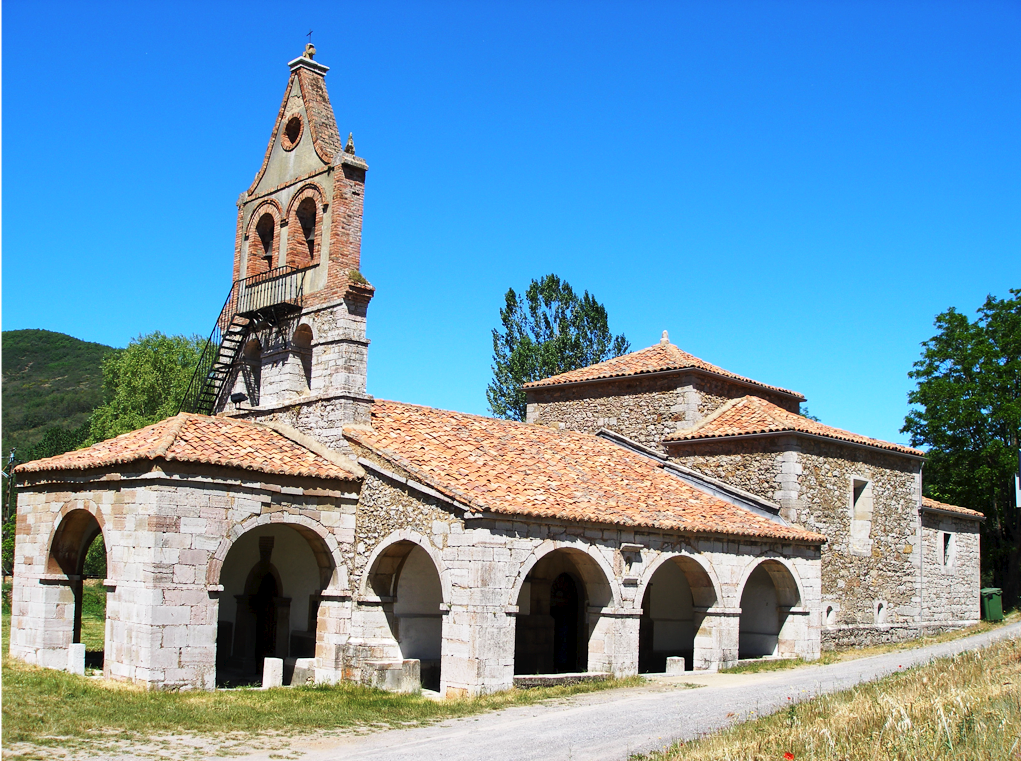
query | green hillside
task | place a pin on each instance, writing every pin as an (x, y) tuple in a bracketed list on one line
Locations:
[(49, 379)]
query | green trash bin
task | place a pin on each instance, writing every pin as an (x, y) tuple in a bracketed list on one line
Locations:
[(992, 604)]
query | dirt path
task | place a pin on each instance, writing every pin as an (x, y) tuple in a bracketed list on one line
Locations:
[(617, 723)]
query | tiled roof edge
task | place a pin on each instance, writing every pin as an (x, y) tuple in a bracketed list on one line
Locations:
[(307, 442), (891, 449), (738, 379), (395, 459)]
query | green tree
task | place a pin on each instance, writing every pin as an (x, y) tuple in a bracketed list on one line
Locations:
[(968, 414), (55, 441), (145, 383), (548, 331)]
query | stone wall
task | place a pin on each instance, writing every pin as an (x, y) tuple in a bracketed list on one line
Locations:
[(951, 568), (755, 465), (644, 408), (877, 584), (167, 533), (874, 583)]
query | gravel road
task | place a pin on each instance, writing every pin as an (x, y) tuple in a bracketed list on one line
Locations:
[(612, 725)]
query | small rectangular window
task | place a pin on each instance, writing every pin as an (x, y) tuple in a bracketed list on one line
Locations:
[(861, 515), (949, 549)]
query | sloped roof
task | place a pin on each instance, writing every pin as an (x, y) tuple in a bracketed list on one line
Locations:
[(750, 415), (657, 358), (932, 504), (201, 439), (513, 468)]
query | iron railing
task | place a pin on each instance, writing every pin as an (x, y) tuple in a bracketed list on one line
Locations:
[(262, 298)]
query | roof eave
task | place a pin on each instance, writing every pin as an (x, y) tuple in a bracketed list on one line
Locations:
[(673, 371), (951, 513), (791, 432)]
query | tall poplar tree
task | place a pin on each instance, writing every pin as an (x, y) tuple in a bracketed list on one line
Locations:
[(547, 331), (968, 414)]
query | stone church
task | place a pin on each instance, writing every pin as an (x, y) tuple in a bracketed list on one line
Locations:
[(654, 511)]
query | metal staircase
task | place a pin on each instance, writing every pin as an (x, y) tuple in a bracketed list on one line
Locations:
[(253, 303)]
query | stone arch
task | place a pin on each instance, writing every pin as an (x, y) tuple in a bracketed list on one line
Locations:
[(783, 574), (769, 591), (262, 250), (304, 234), (704, 596), (324, 545), (562, 595), (404, 600), (76, 527), (395, 557), (674, 620), (594, 560), (273, 572)]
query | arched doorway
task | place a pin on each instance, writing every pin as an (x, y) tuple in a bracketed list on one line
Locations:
[(768, 596), (407, 583), (78, 551), (273, 578), (556, 616), (673, 612)]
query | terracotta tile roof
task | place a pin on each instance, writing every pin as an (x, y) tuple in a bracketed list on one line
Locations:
[(657, 358), (513, 468), (934, 505), (750, 414), (201, 439)]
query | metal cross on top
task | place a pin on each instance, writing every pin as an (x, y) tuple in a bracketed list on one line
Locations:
[(309, 35)]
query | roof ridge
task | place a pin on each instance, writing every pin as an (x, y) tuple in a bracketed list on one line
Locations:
[(307, 442), (714, 414), (170, 435), (418, 473)]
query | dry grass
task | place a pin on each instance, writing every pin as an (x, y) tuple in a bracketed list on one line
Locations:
[(964, 707), (852, 653)]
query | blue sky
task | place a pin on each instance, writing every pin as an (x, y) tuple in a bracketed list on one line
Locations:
[(793, 190)]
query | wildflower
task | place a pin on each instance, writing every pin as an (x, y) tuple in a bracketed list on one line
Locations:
[(788, 756)]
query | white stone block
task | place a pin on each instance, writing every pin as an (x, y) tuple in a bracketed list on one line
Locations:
[(76, 658), (272, 673), (675, 665)]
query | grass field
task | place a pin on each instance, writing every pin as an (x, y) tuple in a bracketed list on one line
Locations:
[(965, 708), (45, 709)]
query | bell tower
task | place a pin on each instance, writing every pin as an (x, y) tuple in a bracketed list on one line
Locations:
[(289, 344)]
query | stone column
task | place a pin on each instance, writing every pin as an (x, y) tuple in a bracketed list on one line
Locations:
[(478, 650), (613, 644), (333, 630)]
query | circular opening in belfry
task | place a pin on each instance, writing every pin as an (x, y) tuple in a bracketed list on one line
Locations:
[(293, 129)]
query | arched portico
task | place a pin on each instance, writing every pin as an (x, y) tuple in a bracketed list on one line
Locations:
[(404, 601), (677, 593), (273, 576), (561, 595), (770, 591)]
